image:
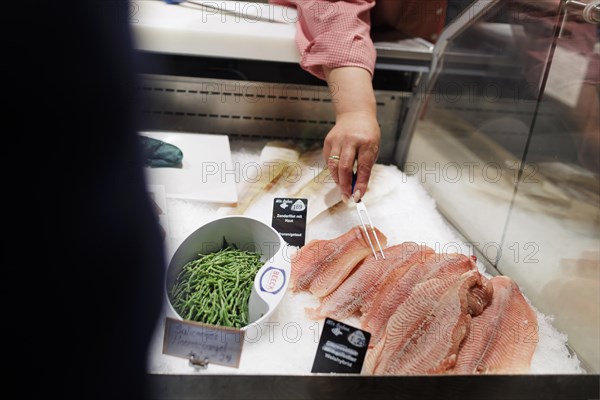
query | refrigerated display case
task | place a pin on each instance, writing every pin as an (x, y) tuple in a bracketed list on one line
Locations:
[(498, 122)]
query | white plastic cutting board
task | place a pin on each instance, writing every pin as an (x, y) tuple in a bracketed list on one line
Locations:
[(203, 176)]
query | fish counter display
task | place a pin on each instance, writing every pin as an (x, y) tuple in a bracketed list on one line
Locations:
[(430, 306), (424, 310)]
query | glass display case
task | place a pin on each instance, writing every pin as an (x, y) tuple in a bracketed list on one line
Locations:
[(507, 141), (498, 122)]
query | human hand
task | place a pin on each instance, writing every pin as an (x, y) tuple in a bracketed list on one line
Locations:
[(355, 136)]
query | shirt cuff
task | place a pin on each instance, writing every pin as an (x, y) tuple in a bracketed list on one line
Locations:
[(335, 50)]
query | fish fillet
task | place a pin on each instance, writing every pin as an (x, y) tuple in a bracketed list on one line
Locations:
[(322, 265), (275, 158), (321, 192), (383, 181), (398, 288), (308, 259), (370, 274), (481, 296), (503, 338), (305, 170), (424, 334)]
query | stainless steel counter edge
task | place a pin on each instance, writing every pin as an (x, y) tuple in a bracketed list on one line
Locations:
[(323, 386)]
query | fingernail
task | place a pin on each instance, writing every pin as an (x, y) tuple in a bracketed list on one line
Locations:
[(345, 198), (356, 196)]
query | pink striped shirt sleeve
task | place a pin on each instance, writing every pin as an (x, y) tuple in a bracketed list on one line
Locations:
[(333, 34)]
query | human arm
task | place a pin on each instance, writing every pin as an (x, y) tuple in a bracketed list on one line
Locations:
[(335, 44), (333, 34)]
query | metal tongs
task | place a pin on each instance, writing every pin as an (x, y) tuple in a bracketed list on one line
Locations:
[(362, 209)]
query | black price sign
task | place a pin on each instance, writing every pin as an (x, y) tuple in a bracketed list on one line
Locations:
[(289, 219), (342, 348)]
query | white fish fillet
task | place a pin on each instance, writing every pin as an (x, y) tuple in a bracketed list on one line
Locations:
[(275, 159)]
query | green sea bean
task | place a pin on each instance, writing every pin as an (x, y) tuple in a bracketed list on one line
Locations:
[(215, 288)]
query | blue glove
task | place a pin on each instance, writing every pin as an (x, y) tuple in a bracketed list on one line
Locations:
[(174, 1)]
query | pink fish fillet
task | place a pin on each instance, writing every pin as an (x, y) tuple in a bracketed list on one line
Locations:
[(480, 296), (397, 289), (424, 334), (308, 258), (322, 265), (503, 338), (366, 279)]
